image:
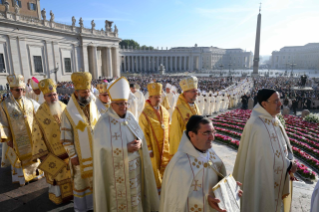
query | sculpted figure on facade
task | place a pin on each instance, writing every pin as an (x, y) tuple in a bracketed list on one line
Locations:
[(52, 16), (17, 8), (7, 6), (44, 14), (93, 24), (73, 21), (116, 31), (81, 22)]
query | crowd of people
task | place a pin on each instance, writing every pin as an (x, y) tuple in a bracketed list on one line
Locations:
[(140, 144)]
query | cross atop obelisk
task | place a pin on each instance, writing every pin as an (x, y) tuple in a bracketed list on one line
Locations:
[(257, 44)]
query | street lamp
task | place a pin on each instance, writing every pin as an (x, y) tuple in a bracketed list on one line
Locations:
[(229, 69)]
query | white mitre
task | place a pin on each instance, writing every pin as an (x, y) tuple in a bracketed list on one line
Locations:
[(34, 83), (119, 89), (169, 86)]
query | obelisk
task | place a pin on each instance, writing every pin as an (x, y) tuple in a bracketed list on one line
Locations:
[(257, 45)]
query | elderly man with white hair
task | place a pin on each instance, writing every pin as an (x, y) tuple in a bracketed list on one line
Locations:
[(123, 173)]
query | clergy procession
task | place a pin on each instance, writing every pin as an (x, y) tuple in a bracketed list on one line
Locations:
[(116, 149)]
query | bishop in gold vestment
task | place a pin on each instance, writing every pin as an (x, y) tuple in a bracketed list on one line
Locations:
[(46, 140), (77, 123), (16, 118), (123, 175), (154, 121), (185, 108)]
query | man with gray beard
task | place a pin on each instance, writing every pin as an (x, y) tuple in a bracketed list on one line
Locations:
[(77, 123), (46, 142)]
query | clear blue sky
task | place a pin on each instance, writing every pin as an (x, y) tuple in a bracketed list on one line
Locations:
[(221, 23)]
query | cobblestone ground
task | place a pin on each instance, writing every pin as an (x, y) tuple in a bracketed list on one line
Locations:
[(34, 196)]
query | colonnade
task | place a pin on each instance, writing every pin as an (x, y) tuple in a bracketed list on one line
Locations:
[(132, 63)]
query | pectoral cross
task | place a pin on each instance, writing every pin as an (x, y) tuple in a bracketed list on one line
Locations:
[(118, 166), (273, 137), (116, 136), (121, 194), (278, 170), (196, 185), (114, 121)]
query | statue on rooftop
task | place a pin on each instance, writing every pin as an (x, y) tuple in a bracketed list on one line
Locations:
[(81, 22), (44, 14), (52, 16), (7, 6), (73, 21), (17, 8), (92, 24), (116, 31)]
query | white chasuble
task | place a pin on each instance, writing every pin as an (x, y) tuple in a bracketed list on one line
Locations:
[(83, 134), (123, 181), (189, 179), (262, 161)]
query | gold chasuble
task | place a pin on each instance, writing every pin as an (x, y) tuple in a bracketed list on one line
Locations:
[(189, 179), (183, 111), (123, 181), (77, 124), (16, 118), (262, 161), (155, 125), (46, 139)]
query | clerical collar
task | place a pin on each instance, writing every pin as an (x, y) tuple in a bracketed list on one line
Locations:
[(201, 151), (191, 104), (156, 108)]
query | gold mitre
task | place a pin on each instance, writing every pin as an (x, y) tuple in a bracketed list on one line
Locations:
[(154, 89), (102, 87), (81, 80), (16, 80), (119, 90), (47, 86), (188, 83)]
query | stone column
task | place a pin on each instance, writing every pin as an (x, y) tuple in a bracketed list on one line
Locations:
[(24, 58), (133, 63), (185, 69), (129, 63), (180, 63), (15, 55), (93, 65), (115, 63), (137, 63), (57, 59), (109, 63), (175, 64), (104, 62), (190, 63), (124, 59)]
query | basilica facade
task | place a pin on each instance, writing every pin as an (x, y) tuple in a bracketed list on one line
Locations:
[(32, 43)]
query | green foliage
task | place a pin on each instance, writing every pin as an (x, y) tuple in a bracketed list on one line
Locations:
[(127, 43), (147, 47)]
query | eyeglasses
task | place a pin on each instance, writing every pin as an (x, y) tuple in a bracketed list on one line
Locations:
[(121, 104), (105, 95)]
